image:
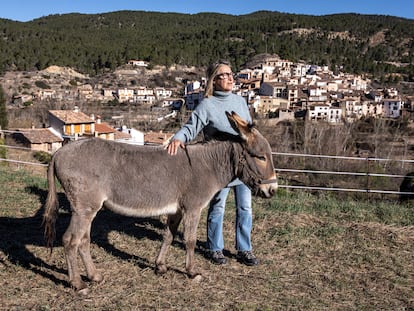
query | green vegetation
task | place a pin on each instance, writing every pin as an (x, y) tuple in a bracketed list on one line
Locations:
[(17, 191), (3, 151), (42, 85), (42, 157), (94, 43), (329, 206)]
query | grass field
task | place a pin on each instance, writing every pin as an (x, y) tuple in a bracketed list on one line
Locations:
[(316, 252)]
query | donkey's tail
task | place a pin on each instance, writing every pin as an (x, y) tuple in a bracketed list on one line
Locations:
[(51, 207)]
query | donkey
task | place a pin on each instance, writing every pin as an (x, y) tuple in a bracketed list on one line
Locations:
[(144, 181)]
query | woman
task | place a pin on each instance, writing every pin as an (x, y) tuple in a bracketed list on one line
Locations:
[(210, 117)]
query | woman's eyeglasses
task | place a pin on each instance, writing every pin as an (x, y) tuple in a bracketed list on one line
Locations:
[(224, 75)]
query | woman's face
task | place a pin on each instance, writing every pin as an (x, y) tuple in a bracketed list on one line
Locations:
[(223, 81)]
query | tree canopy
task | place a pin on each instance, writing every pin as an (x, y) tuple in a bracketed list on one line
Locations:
[(93, 43)]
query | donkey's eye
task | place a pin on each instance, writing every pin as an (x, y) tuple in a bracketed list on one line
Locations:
[(260, 157)]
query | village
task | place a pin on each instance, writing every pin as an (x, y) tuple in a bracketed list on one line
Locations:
[(274, 89)]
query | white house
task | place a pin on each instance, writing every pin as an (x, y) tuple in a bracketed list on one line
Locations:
[(125, 94), (45, 94), (161, 92), (192, 87), (143, 91), (299, 70), (317, 94), (357, 83), (334, 114), (318, 111), (144, 95), (134, 136), (137, 63), (354, 108)]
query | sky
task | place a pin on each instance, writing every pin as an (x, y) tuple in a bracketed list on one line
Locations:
[(26, 10)]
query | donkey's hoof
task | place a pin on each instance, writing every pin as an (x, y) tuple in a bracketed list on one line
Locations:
[(194, 274), (160, 269), (97, 278), (197, 279), (81, 288), (84, 291)]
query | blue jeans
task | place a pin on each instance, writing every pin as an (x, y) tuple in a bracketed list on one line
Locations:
[(243, 198)]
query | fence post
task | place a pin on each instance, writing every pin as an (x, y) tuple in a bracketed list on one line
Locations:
[(368, 177)]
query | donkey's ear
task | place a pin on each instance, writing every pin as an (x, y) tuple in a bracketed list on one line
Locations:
[(240, 125)]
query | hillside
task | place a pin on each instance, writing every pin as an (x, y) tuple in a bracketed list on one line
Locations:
[(94, 43)]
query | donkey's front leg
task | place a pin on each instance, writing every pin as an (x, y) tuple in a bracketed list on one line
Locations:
[(173, 222), (191, 220)]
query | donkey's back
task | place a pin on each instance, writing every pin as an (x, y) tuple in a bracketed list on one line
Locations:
[(133, 180)]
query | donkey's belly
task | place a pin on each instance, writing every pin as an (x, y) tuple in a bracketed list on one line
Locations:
[(142, 209)]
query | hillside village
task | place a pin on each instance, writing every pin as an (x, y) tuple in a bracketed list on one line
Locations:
[(274, 89)]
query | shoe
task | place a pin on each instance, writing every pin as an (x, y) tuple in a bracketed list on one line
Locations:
[(247, 258), (217, 258)]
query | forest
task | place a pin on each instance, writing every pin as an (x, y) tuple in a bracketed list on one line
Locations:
[(379, 45)]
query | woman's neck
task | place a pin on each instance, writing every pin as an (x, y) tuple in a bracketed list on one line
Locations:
[(219, 93)]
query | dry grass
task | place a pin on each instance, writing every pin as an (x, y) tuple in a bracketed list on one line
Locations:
[(312, 258)]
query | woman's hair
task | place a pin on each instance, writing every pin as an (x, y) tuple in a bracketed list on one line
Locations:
[(211, 74)]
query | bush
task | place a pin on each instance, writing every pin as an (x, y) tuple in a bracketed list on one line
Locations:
[(2, 149), (42, 85), (42, 157)]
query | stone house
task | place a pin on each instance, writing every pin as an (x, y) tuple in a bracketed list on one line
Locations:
[(43, 139)]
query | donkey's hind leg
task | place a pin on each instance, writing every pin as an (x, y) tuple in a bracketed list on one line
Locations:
[(85, 253), (76, 239), (71, 240), (173, 222)]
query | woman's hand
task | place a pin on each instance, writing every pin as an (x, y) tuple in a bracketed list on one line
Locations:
[(172, 147)]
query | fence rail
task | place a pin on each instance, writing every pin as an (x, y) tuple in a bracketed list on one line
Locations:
[(345, 189), (366, 174), (338, 173), (339, 157)]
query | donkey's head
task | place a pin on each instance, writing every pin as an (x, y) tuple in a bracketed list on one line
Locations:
[(255, 164)]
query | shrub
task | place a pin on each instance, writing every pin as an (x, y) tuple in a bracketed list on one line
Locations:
[(42, 85), (2, 149), (42, 157)]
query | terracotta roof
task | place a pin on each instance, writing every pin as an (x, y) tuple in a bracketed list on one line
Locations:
[(156, 137), (40, 136), (71, 117), (121, 135), (104, 128)]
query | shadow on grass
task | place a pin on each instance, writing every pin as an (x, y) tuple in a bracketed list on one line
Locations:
[(18, 233)]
